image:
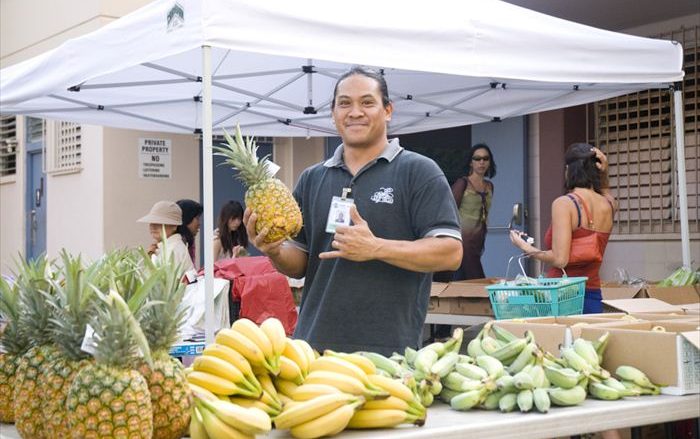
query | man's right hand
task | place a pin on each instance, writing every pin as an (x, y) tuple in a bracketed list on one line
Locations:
[(272, 249)]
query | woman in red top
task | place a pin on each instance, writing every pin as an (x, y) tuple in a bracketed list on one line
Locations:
[(581, 217)]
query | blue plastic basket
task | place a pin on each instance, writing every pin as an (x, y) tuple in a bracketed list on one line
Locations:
[(550, 297)]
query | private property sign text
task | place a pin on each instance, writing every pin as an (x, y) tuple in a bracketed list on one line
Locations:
[(155, 158)]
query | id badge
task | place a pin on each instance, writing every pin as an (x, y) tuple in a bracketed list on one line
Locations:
[(339, 213)]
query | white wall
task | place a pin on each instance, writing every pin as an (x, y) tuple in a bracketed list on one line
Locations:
[(74, 217), (75, 209), (650, 260), (30, 27), (12, 218), (642, 256), (127, 197)]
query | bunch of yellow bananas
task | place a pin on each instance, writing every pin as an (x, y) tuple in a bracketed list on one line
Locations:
[(401, 407), (214, 418), (324, 415)]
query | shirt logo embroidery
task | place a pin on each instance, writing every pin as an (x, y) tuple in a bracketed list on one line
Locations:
[(384, 195)]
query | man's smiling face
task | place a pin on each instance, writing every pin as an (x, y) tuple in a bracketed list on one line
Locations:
[(359, 114)]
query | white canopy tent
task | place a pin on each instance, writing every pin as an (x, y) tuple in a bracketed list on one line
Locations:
[(204, 65)]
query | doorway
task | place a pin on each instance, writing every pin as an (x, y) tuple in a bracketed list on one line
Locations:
[(36, 196)]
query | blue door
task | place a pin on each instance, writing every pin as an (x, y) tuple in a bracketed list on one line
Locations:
[(36, 204), (508, 142)]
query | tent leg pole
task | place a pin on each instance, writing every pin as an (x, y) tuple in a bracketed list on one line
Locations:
[(680, 163), (208, 201)]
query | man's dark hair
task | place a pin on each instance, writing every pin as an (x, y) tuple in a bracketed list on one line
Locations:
[(581, 169), (383, 88), (491, 171)]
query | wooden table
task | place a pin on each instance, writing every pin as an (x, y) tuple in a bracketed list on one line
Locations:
[(592, 415)]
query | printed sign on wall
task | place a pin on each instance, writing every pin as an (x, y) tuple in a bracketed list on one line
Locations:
[(155, 158)]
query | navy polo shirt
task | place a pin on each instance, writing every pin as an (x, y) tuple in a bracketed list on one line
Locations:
[(349, 306)]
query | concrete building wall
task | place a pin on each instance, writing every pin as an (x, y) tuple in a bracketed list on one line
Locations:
[(12, 206), (128, 197), (646, 256), (74, 215)]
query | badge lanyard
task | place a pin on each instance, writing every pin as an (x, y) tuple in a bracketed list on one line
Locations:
[(339, 211)]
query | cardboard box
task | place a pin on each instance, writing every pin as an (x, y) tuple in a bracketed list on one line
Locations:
[(576, 319), (468, 297), (691, 308), (675, 295), (615, 290), (549, 334), (670, 358), (553, 333), (633, 306), (652, 317)]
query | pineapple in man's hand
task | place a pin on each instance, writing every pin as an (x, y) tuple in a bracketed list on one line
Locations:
[(266, 196)]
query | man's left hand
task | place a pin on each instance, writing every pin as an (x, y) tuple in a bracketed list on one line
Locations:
[(355, 242)]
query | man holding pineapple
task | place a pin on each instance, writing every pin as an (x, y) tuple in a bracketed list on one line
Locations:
[(368, 284)]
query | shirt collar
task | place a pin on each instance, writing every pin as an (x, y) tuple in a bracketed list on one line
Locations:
[(391, 150)]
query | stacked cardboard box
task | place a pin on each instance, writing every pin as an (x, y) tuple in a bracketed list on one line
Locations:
[(467, 297), (659, 338)]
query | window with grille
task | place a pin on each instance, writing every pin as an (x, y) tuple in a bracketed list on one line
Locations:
[(66, 154), (36, 129), (637, 133), (8, 145)]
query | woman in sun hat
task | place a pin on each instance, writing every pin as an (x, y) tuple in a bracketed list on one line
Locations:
[(163, 220)]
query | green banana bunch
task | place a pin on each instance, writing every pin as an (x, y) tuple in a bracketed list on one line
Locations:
[(565, 378), (459, 382), (539, 378), (622, 390), (491, 365), (601, 391), (447, 394), (383, 363), (567, 397), (525, 400), (600, 345), (629, 373), (445, 364), (523, 381), (527, 355), (409, 356), (492, 399), (508, 402), (490, 345), (632, 387), (505, 384), (425, 358), (541, 399), (503, 334), (508, 352), (471, 371), (467, 400), (474, 346)]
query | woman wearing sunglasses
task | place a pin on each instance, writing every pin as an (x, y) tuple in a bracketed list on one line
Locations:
[(473, 193)]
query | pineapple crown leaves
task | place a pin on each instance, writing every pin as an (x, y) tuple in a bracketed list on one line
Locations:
[(12, 339), (117, 333), (34, 284), (73, 303), (242, 155), (161, 321)]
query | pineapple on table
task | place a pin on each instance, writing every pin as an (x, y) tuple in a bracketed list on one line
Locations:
[(14, 343), (73, 302), (34, 282), (171, 396), (108, 398), (267, 197)]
